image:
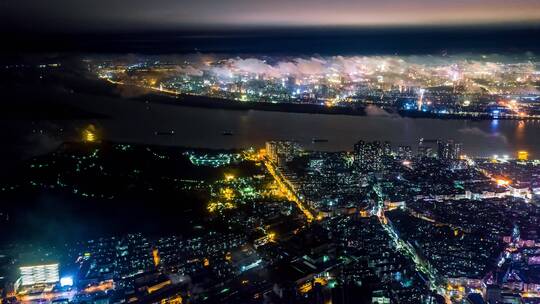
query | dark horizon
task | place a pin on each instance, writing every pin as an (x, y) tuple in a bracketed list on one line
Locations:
[(297, 40)]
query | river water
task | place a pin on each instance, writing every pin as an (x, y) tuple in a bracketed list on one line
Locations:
[(134, 121)]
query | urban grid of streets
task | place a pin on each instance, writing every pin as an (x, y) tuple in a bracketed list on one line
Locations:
[(435, 281), (438, 189)]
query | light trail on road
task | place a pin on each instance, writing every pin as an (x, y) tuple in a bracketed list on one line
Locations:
[(436, 283), (285, 187)]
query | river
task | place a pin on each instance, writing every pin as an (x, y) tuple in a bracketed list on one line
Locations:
[(136, 121), (199, 127)]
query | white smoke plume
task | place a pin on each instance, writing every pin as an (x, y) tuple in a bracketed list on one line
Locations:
[(480, 133)]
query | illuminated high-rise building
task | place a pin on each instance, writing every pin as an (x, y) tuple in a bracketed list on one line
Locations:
[(39, 274), (449, 149), (420, 101), (369, 156), (523, 155), (404, 152), (155, 256), (281, 152)]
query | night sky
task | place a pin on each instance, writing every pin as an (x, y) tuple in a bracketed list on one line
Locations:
[(119, 15)]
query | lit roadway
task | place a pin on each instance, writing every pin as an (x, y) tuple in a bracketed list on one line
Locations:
[(287, 189), (436, 283), (49, 296), (143, 86)]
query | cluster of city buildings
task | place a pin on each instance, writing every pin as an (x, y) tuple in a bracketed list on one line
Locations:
[(446, 86), (454, 212), (382, 223)]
